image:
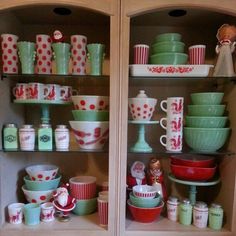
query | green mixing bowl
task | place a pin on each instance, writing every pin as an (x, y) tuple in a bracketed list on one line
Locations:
[(167, 46), (168, 37), (87, 115), (169, 58), (206, 121), (207, 98), (205, 139), (145, 202), (206, 110), (85, 207)]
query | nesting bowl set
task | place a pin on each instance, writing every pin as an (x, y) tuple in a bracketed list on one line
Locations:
[(205, 129), (91, 121), (145, 204), (168, 50), (40, 183)]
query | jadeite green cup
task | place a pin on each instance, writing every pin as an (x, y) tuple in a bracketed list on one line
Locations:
[(85, 207), (206, 110), (96, 53), (205, 139), (62, 57), (168, 37), (206, 122), (31, 213), (82, 115), (26, 51), (213, 98), (143, 202)]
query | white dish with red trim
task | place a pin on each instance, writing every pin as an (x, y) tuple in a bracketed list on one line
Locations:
[(169, 70), (144, 191)]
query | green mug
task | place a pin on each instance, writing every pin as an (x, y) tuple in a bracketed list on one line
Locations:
[(61, 52), (96, 57), (26, 51)]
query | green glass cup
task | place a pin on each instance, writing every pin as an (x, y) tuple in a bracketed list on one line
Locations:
[(96, 54), (26, 51), (31, 213), (61, 52)]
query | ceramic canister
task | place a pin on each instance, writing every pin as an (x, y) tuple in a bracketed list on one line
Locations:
[(200, 215), (185, 212), (62, 138), (215, 216), (10, 137), (27, 138), (172, 208)]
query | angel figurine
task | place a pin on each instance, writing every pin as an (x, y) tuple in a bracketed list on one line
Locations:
[(226, 36)]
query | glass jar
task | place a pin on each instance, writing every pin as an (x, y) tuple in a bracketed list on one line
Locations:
[(172, 208), (27, 138), (45, 137), (62, 138), (185, 212), (200, 215), (215, 216), (10, 137)]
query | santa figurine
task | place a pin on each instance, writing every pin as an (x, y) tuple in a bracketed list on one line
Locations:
[(63, 202), (155, 177), (137, 175), (58, 37)]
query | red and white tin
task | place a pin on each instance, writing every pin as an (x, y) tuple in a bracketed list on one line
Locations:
[(197, 54), (141, 53)]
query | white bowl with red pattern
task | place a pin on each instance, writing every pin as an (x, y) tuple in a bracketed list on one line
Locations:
[(144, 191), (90, 102), (42, 172), (90, 135), (142, 108), (37, 196)]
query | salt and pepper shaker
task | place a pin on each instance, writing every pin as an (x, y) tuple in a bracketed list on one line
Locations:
[(172, 208), (10, 137), (185, 212), (45, 137), (27, 138), (62, 138), (215, 216), (200, 214)]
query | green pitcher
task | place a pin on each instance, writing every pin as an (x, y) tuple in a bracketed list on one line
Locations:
[(26, 51), (61, 52), (96, 57)]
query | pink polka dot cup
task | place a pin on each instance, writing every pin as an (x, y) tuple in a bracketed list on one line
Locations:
[(78, 54), (42, 172), (9, 53), (95, 103), (142, 107)]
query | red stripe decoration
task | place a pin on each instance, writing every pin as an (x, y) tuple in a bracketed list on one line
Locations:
[(197, 55), (83, 191), (103, 212), (141, 53)]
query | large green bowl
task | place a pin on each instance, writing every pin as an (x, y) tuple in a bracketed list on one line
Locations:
[(36, 185), (82, 115), (167, 46), (205, 139), (145, 202), (206, 121), (169, 58), (85, 207), (209, 98), (206, 110), (168, 37)]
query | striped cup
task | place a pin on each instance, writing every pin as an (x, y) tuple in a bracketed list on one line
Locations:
[(83, 187), (141, 53), (103, 212), (197, 54)]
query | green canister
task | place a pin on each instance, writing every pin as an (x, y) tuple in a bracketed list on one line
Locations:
[(10, 137), (45, 137), (215, 216), (185, 212)]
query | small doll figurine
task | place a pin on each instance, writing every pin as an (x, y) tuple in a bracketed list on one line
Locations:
[(63, 202), (58, 37), (137, 174), (155, 177), (226, 36)]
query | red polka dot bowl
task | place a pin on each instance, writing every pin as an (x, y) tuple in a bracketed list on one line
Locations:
[(90, 135), (42, 172), (90, 102), (142, 108), (37, 196), (37, 185)]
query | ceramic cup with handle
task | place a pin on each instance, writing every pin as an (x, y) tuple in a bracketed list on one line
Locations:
[(173, 105), (37, 91), (55, 92), (20, 91), (172, 141)]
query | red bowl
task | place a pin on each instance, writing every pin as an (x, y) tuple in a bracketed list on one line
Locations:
[(193, 160), (145, 215), (192, 173)]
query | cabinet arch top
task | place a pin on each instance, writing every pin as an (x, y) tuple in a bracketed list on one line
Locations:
[(102, 6), (132, 8)]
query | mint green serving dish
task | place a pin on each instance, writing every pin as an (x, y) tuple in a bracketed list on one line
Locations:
[(88, 115), (205, 139), (206, 121), (145, 202), (85, 207), (168, 37), (167, 46), (210, 98), (206, 110), (169, 58)]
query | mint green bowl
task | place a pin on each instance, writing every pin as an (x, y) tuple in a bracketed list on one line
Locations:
[(87, 115), (85, 207), (36, 185), (145, 202), (214, 98), (206, 121), (168, 37), (169, 58), (205, 139), (206, 110), (167, 46)]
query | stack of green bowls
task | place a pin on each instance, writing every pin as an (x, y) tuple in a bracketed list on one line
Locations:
[(205, 129), (168, 50)]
